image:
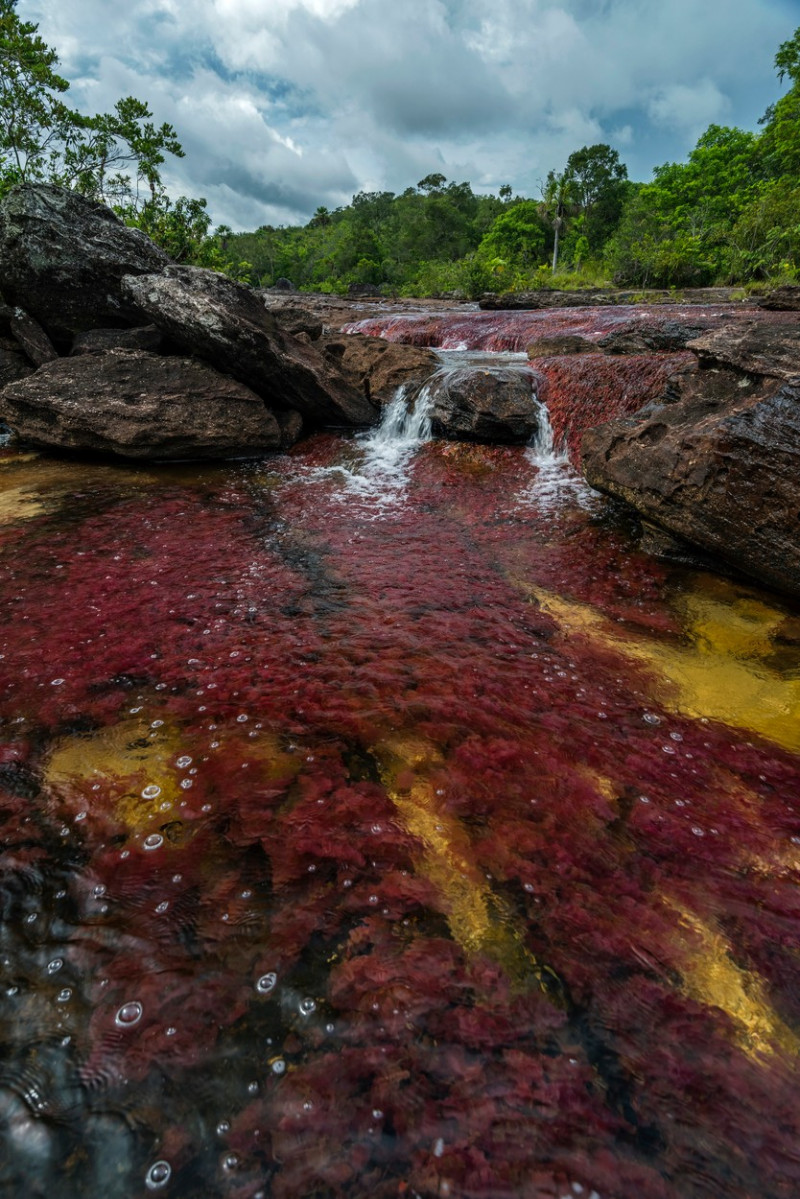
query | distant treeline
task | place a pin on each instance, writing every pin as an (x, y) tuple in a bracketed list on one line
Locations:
[(730, 214)]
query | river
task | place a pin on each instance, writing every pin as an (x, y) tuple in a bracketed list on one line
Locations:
[(378, 820)]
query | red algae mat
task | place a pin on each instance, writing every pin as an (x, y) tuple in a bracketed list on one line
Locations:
[(421, 841)]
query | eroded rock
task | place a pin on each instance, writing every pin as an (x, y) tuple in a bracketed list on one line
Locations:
[(226, 324), (718, 467), (100, 341), (62, 257), (560, 346), (478, 405), (138, 405), (753, 347), (380, 367)]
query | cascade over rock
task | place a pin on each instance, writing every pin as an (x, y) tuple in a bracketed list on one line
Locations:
[(379, 367), (716, 462), (226, 324), (479, 405), (138, 405), (62, 257)]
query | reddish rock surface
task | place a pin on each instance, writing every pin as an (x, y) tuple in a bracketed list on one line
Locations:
[(718, 467)]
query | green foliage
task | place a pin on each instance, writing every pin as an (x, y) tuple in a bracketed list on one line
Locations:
[(34, 122), (113, 157)]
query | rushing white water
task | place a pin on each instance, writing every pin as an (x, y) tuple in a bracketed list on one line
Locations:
[(556, 480), (376, 467)]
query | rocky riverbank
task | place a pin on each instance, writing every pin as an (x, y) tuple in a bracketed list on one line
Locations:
[(692, 412)]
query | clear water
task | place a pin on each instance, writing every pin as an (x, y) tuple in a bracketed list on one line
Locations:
[(378, 821)]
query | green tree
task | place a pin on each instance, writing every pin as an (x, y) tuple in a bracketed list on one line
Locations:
[(35, 124), (598, 188)]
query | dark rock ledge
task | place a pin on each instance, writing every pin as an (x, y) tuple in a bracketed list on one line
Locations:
[(717, 462)]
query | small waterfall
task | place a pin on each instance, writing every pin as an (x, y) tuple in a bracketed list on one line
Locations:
[(376, 468), (403, 427), (556, 479)]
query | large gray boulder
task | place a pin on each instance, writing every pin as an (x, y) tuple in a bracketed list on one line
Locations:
[(478, 405), (62, 257), (138, 405), (226, 323)]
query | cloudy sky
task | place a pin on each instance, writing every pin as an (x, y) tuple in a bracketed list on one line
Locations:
[(283, 105)]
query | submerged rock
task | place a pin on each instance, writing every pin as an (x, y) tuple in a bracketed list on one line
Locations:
[(560, 345), (718, 467), (138, 405), (380, 367), (226, 324), (62, 257), (479, 405)]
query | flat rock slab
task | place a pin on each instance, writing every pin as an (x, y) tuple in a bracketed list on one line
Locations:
[(486, 406), (226, 323), (719, 467), (754, 347), (62, 258), (138, 405)]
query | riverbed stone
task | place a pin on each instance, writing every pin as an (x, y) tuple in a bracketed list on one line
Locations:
[(560, 345), (226, 323), (488, 406), (379, 367), (132, 404), (717, 466), (62, 257), (753, 348)]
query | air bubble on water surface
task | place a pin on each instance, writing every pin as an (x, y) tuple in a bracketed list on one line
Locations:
[(651, 718), (266, 984), (129, 1015), (64, 996), (158, 1175), (223, 1127), (279, 1066), (306, 1007), (151, 791), (153, 841), (54, 966), (184, 761)]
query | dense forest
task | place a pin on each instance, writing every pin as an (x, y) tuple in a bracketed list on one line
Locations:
[(729, 214)]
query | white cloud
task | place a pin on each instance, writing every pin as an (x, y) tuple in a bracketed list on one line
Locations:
[(690, 109)]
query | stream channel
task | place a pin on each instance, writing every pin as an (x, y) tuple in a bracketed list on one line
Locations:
[(378, 820)]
